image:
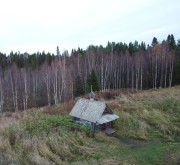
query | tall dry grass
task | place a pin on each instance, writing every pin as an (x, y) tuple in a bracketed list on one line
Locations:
[(41, 136), (57, 146), (149, 114)]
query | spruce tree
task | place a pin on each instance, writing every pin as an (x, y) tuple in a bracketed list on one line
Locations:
[(92, 80), (177, 64), (78, 87), (154, 41), (172, 42)]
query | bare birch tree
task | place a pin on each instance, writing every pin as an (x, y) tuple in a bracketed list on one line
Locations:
[(46, 74), (1, 94), (25, 93), (13, 74)]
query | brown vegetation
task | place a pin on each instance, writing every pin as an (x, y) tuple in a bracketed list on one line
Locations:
[(48, 136)]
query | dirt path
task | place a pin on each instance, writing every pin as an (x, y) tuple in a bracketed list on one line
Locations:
[(131, 142)]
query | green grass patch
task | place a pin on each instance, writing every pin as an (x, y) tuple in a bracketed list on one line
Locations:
[(47, 123), (151, 153)]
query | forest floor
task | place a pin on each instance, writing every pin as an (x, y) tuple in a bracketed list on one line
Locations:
[(147, 132)]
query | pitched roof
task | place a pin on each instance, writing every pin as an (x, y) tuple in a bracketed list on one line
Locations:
[(89, 110), (107, 118)]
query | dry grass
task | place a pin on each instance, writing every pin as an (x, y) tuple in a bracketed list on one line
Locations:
[(112, 161), (147, 114), (57, 146), (61, 109)]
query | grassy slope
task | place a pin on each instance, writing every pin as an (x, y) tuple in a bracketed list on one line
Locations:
[(152, 114), (47, 136)]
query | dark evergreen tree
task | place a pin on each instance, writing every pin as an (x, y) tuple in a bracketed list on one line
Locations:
[(168, 38), (78, 87), (49, 58), (135, 46), (177, 70), (57, 51), (92, 81), (173, 42), (32, 61), (143, 46), (154, 41), (109, 47), (88, 87), (119, 47), (131, 48), (41, 58), (3, 60)]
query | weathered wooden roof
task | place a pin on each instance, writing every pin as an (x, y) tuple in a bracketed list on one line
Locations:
[(89, 110), (107, 118)]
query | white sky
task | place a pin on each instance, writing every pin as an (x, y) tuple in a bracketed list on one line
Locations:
[(37, 25)]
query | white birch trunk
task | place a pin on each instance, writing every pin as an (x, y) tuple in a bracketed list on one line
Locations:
[(25, 95), (171, 73), (1, 96)]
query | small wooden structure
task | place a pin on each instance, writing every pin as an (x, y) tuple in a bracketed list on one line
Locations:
[(95, 113)]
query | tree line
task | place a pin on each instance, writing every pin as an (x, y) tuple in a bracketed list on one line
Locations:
[(43, 78)]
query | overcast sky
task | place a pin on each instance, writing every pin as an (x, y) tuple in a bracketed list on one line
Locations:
[(37, 25)]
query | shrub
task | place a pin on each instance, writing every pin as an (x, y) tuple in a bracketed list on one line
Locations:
[(48, 123), (108, 95), (87, 129)]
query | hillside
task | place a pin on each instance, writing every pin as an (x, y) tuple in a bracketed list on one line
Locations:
[(147, 132)]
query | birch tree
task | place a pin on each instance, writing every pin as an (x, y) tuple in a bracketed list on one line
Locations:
[(26, 89), (46, 74), (1, 94), (55, 68), (13, 74)]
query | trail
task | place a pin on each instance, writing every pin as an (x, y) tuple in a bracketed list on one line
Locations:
[(131, 142)]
